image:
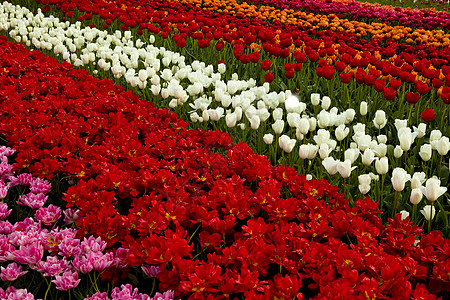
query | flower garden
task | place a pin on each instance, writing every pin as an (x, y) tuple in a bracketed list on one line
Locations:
[(188, 149)]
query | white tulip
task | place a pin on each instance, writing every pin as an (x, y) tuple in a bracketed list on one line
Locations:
[(255, 121), (417, 180), (326, 102), (345, 168), (341, 132), (399, 178), (406, 138), (324, 119), (368, 157), (286, 143), (434, 136), (308, 151), (382, 139), (363, 108), (416, 196), (400, 123), (330, 164), (443, 145), (278, 126), (231, 120), (315, 99), (398, 151), (324, 150), (429, 212), (404, 214), (292, 105), (351, 154), (293, 119), (277, 113), (303, 126), (380, 150), (364, 179), (299, 135), (268, 138), (382, 165), (420, 130), (349, 115), (312, 124), (380, 119), (433, 189)]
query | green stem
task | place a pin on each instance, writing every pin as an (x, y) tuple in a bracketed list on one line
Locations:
[(394, 208)]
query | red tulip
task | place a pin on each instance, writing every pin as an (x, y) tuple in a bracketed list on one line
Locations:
[(428, 115)]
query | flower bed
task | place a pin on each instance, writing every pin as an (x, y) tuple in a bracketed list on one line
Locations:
[(215, 224)]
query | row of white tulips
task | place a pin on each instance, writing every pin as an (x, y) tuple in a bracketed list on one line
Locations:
[(240, 102)]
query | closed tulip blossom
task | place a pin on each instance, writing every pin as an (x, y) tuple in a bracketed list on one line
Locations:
[(442, 145), (404, 214), (352, 154), (416, 196), (406, 138), (380, 119), (363, 108), (364, 183), (425, 152), (429, 212), (268, 138), (398, 151), (382, 165), (399, 178), (433, 189), (368, 157), (324, 150), (278, 126)]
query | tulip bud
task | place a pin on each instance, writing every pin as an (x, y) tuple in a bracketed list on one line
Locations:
[(326, 102), (429, 212), (425, 152), (398, 152), (315, 99), (231, 120), (221, 68), (382, 165), (368, 157), (293, 119), (268, 138), (277, 113), (278, 126), (416, 196), (363, 108), (380, 119), (443, 145), (143, 75), (399, 178), (404, 214), (255, 122), (382, 139), (303, 125)]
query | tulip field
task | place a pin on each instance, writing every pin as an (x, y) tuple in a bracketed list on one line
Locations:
[(212, 149)]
